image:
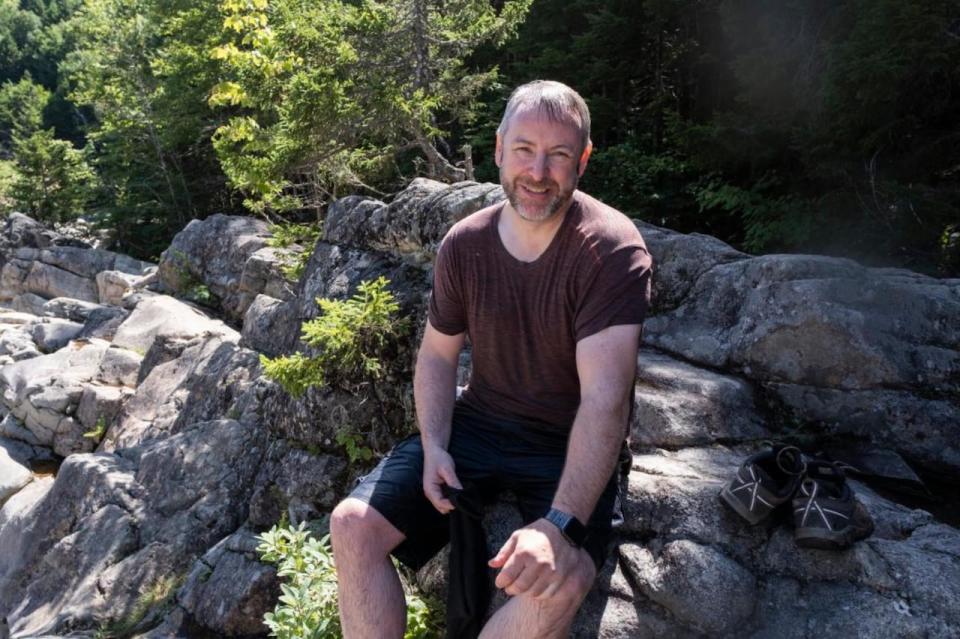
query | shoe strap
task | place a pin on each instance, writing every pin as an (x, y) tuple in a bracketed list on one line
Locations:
[(790, 460)]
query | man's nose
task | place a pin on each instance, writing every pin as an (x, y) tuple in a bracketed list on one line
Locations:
[(538, 167)]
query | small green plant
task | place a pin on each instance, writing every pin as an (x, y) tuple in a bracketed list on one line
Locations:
[(193, 289), (307, 608), (353, 338), (286, 235), (354, 445), (157, 597), (99, 430)]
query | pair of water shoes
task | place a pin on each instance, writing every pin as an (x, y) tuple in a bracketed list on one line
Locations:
[(826, 514)]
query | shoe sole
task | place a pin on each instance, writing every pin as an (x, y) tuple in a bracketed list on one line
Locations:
[(737, 506), (829, 539)]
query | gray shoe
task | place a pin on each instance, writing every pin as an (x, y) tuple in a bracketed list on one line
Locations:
[(763, 482), (826, 514)]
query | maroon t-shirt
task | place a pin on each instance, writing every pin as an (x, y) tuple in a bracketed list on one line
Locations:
[(524, 319)]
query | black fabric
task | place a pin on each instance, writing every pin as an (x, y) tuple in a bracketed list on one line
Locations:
[(468, 576)]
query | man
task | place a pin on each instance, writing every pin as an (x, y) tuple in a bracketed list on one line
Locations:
[(551, 287)]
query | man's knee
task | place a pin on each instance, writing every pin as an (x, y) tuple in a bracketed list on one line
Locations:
[(358, 528), (574, 588)]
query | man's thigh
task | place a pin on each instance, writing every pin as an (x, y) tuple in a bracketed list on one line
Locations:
[(394, 488)]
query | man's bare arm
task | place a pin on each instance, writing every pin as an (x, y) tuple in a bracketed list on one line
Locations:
[(606, 364), (434, 392), (536, 559)]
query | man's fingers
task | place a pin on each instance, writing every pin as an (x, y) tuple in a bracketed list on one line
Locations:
[(504, 553), (435, 496), (526, 580), (510, 573), (449, 476)]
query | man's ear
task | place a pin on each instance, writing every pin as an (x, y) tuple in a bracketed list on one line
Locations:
[(584, 158), (498, 151)]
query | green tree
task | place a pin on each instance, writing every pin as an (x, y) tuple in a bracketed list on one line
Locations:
[(21, 109), (55, 182), (324, 95), (142, 68)]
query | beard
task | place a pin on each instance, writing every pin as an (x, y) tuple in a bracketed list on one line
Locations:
[(537, 212)]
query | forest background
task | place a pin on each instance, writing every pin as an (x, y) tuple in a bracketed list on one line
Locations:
[(820, 126)]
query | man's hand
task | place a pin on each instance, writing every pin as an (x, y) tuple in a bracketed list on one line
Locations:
[(535, 560), (438, 469)]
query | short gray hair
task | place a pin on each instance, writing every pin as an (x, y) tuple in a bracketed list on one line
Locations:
[(553, 99)]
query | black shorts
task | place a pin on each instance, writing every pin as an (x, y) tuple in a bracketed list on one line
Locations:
[(491, 454)]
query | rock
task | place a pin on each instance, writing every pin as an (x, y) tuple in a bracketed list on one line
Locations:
[(13, 476), (817, 321), (16, 519), (119, 527), (701, 587), (83, 262), (266, 319), (99, 406), (296, 483), (263, 274), (163, 315), (193, 260), (11, 427), (18, 343), (205, 378), (29, 303), (20, 230), (103, 323), (119, 366), (922, 429), (32, 276), (53, 334), (69, 309), (228, 591), (853, 336), (113, 285), (24, 453), (414, 222), (43, 392), (677, 404), (15, 318)]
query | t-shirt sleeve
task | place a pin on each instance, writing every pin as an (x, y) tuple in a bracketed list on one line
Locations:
[(619, 293), (446, 311)]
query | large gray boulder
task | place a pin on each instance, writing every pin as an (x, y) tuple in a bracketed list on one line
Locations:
[(834, 346), (413, 224), (184, 381), (61, 271), (116, 527), (235, 268), (43, 393), (13, 476), (166, 316)]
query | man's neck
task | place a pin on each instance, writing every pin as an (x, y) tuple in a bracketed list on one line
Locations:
[(526, 239)]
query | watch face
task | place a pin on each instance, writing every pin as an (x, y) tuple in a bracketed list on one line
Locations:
[(572, 529)]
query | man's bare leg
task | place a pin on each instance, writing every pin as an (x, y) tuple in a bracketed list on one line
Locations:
[(550, 618), (371, 597)]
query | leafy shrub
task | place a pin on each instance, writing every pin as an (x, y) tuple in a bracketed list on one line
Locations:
[(353, 338), (307, 608)]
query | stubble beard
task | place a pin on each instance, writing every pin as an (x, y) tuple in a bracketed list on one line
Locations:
[(538, 213)]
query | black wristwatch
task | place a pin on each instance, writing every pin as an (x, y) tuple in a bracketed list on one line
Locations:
[(570, 527)]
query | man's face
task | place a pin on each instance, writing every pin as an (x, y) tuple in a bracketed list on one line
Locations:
[(540, 162)]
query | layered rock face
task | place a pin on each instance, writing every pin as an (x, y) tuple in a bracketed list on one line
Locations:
[(176, 450)]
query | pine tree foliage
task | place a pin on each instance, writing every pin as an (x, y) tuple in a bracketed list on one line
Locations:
[(325, 95)]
